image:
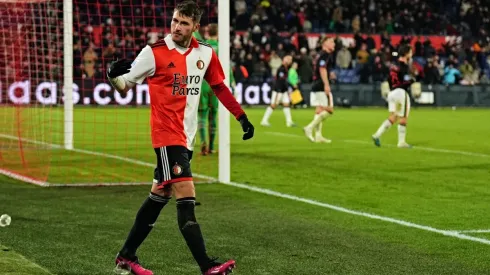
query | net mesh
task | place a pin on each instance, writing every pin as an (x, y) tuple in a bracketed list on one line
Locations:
[(31, 67)]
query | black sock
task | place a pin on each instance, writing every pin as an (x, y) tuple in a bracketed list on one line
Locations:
[(145, 220), (191, 231)]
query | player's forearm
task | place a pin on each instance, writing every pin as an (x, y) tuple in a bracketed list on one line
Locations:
[(224, 96), (121, 84)]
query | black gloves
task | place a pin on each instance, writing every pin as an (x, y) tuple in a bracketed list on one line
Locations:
[(247, 127), (119, 67)]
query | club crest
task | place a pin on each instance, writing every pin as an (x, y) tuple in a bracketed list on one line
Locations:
[(200, 64), (177, 169)]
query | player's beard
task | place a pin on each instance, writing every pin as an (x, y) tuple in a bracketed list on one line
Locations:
[(182, 40)]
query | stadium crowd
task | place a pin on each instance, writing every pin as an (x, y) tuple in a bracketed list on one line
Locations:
[(264, 31)]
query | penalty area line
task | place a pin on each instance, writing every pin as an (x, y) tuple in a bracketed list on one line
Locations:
[(269, 192)]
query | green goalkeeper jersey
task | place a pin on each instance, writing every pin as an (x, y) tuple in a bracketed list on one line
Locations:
[(214, 44)]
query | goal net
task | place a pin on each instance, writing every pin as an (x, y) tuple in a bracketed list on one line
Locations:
[(31, 76), (61, 122)]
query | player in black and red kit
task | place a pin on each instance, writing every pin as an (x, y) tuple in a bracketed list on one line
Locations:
[(321, 95), (280, 94), (399, 80)]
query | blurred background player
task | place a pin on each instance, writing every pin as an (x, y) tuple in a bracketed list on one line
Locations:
[(321, 96), (280, 94), (293, 79), (398, 99), (208, 105), (174, 108)]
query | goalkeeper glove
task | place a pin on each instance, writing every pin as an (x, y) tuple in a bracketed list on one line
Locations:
[(119, 67), (247, 127)]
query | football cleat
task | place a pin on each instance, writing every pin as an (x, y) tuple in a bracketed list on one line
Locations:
[(404, 145), (130, 266), (309, 133), (265, 124), (376, 141), (220, 268), (204, 149), (320, 139), (292, 124)]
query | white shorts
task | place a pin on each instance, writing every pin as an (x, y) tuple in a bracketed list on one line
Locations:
[(280, 98), (399, 102), (321, 99)]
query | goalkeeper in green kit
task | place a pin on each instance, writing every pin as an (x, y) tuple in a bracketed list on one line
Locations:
[(208, 106)]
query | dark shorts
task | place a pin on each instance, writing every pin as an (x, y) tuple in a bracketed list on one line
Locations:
[(173, 165)]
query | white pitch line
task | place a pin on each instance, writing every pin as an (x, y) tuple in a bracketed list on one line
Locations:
[(29, 262), (473, 231), (269, 192), (430, 149), (47, 184), (23, 178)]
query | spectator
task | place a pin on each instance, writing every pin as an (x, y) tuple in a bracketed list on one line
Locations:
[(451, 74), (344, 58), (466, 72), (89, 59), (362, 55), (431, 72), (305, 70), (379, 70), (356, 24), (275, 62)]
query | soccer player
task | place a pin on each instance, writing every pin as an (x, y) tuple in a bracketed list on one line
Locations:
[(398, 99), (208, 106), (280, 94), (321, 95), (175, 67)]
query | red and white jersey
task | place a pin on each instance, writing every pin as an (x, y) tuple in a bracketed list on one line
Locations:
[(174, 75)]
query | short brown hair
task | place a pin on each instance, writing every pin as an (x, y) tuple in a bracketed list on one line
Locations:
[(190, 9), (213, 29)]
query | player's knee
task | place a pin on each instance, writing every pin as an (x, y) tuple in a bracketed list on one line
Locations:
[(329, 110), (392, 118), (403, 121), (166, 191), (273, 106), (184, 189)]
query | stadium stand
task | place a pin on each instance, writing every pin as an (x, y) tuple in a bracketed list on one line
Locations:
[(450, 41)]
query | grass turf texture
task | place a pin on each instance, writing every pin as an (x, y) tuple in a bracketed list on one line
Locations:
[(78, 230)]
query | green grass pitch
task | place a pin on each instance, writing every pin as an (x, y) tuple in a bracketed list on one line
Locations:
[(441, 186)]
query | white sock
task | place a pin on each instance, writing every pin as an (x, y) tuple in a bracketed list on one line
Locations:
[(317, 119), (402, 132), (319, 129), (287, 114), (384, 126), (267, 115)]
